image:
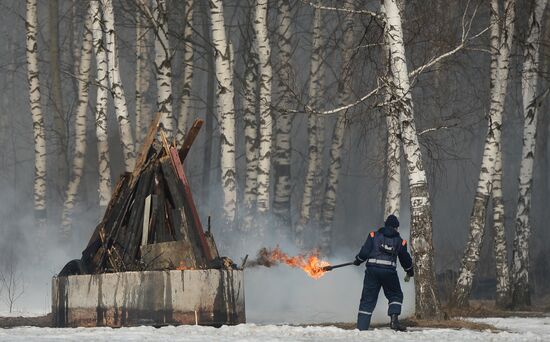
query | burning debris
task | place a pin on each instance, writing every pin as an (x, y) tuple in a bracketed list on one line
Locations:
[(308, 262)]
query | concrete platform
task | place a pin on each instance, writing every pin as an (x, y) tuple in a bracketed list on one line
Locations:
[(205, 297)]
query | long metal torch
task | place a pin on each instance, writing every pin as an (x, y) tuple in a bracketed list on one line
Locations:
[(331, 267)]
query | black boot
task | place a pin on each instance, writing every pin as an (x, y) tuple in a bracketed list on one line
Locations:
[(395, 325)]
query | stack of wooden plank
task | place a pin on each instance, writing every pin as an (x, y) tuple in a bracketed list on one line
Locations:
[(151, 221)]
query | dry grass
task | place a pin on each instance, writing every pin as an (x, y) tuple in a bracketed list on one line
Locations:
[(448, 324), (487, 308), (39, 321)]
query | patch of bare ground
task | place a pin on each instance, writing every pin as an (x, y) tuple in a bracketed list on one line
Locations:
[(487, 308), (448, 324), (39, 321)]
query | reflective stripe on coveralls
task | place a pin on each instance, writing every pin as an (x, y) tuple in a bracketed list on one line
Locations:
[(381, 262)]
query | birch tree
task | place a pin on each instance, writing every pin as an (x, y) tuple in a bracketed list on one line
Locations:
[(80, 127), (392, 199), (226, 110), (117, 90), (501, 251), (250, 101), (266, 123), (163, 65), (500, 245), (529, 82), (426, 301), (187, 78), (345, 92), (102, 81), (31, 24), (281, 158), (470, 258), (143, 75), (316, 85)]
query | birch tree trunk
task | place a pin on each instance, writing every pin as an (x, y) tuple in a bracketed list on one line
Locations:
[(143, 76), (266, 121), (426, 301), (226, 111), (520, 285), (187, 78), (281, 158), (501, 252), (470, 258), (250, 102), (39, 136), (163, 65), (392, 201), (80, 128), (104, 164), (117, 90), (392, 198), (345, 91), (316, 84), (59, 124)]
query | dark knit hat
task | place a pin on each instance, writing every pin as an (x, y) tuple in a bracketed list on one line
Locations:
[(392, 221)]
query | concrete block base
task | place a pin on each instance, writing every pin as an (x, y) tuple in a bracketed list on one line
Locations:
[(206, 297)]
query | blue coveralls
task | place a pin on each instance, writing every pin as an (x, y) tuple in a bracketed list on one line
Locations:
[(380, 252)]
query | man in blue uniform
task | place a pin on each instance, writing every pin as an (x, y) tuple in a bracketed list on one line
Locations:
[(380, 252)]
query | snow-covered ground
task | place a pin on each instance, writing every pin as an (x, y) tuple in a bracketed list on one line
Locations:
[(515, 329)]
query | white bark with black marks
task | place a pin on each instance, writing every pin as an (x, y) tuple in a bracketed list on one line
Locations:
[(39, 134), (163, 65), (392, 198), (520, 260), (283, 121), (313, 169), (265, 78), (471, 254), (226, 111), (426, 301), (144, 36), (117, 90), (501, 251), (250, 105), (187, 78), (102, 80), (80, 128)]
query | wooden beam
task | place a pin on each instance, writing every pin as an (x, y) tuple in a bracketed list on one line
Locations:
[(146, 146), (184, 220), (189, 139), (176, 162)]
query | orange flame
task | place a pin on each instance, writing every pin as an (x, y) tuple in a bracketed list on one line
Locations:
[(308, 262), (182, 267)]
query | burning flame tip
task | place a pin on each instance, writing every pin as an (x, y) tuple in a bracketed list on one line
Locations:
[(308, 262)]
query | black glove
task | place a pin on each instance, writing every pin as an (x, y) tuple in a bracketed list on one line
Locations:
[(410, 272), (357, 262)]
